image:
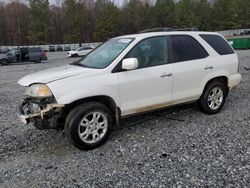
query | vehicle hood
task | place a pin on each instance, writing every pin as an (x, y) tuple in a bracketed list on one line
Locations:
[(53, 74), (72, 51)]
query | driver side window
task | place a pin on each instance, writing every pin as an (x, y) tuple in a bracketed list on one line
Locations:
[(149, 52)]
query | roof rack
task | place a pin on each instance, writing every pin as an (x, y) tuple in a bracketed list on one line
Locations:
[(168, 29)]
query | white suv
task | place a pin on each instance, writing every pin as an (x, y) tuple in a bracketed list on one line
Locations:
[(82, 51), (128, 75)]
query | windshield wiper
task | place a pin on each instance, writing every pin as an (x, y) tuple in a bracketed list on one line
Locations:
[(79, 64)]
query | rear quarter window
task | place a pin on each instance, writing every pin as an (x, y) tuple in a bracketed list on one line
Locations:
[(34, 50), (219, 44)]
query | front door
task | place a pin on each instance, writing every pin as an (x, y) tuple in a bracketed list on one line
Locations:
[(150, 86), (12, 55)]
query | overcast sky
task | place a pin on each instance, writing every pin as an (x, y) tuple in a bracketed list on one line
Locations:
[(118, 2)]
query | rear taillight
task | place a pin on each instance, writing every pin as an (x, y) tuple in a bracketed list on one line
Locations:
[(44, 53)]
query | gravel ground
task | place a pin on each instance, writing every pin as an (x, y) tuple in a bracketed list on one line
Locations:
[(177, 147)]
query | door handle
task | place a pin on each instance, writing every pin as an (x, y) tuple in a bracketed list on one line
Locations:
[(166, 75), (209, 67)]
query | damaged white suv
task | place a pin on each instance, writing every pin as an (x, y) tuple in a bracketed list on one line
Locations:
[(128, 75)]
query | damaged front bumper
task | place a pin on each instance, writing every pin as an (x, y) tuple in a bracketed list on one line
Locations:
[(43, 114)]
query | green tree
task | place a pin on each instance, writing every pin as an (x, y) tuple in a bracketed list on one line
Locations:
[(164, 13), (108, 20), (185, 14), (244, 13), (225, 15), (137, 15), (203, 13), (74, 12), (39, 21), (3, 26)]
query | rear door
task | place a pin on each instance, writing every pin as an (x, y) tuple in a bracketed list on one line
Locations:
[(189, 61), (150, 85), (24, 54), (35, 54)]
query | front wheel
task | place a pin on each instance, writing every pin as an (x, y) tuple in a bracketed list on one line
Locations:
[(213, 98), (88, 125), (4, 62)]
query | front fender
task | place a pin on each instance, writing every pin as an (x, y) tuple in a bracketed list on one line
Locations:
[(72, 89)]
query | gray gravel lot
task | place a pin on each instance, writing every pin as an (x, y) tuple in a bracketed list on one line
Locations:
[(177, 147)]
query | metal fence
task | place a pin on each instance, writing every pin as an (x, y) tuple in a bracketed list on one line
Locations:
[(55, 46), (226, 33), (235, 32)]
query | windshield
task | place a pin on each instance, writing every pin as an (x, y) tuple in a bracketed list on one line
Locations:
[(105, 54), (79, 49), (13, 51)]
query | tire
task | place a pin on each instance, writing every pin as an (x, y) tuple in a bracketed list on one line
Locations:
[(4, 62), (75, 55), (38, 61), (81, 121), (213, 97)]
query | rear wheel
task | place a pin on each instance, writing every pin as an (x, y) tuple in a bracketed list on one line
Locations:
[(213, 98), (88, 125), (4, 62), (38, 61)]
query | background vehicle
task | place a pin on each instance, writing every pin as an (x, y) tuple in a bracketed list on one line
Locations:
[(52, 48), (34, 54), (67, 48), (59, 48), (82, 51), (128, 75), (4, 51)]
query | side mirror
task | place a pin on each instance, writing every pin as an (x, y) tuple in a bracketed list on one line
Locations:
[(130, 64)]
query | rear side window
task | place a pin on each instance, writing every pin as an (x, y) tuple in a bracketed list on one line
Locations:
[(34, 50), (184, 48), (24, 50), (219, 44)]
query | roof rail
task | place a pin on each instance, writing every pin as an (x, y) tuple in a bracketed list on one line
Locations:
[(187, 29), (157, 29), (167, 29)]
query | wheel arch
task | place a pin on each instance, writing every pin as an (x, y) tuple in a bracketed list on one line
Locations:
[(103, 99), (5, 60), (223, 79)]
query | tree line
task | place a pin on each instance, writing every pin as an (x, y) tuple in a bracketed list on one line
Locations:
[(75, 21)]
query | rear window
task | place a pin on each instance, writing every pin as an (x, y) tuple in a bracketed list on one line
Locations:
[(219, 44), (184, 48)]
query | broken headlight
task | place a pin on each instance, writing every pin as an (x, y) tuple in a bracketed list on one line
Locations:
[(38, 90)]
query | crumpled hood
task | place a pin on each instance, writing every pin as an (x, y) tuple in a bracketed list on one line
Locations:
[(54, 74)]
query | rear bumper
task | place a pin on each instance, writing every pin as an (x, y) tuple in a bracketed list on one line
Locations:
[(234, 81), (44, 58)]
